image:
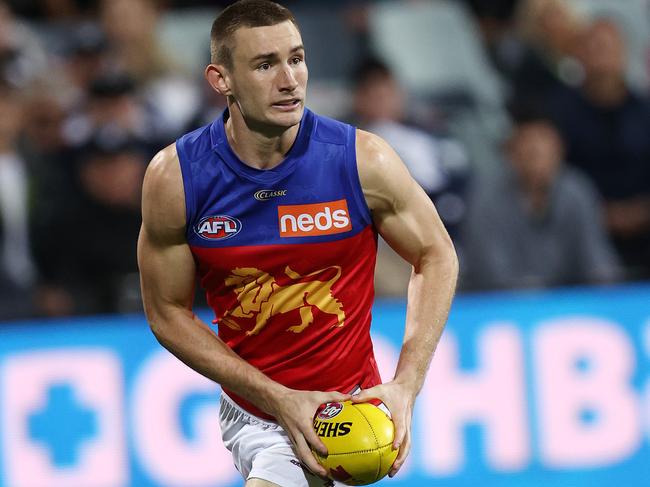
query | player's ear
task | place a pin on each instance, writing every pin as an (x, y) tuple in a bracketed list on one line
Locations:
[(217, 76)]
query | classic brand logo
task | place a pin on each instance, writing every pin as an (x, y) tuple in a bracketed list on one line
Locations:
[(316, 219), (330, 410), (218, 227), (267, 194)]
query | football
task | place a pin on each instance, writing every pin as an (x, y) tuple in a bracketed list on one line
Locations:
[(359, 440)]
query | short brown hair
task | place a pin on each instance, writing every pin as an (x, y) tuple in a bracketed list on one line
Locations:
[(244, 13)]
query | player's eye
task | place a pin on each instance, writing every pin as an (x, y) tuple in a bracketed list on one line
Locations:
[(296, 60), (264, 67)]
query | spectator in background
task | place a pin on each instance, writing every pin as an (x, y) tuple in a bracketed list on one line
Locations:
[(438, 163), (495, 21), (539, 223), (132, 27), (17, 273), (54, 200), (607, 130), (114, 110), (22, 58), (211, 106), (90, 266), (86, 174), (85, 60), (53, 9), (551, 31), (532, 43)]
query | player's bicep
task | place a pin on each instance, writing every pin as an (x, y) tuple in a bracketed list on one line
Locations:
[(167, 268), (167, 273), (414, 230)]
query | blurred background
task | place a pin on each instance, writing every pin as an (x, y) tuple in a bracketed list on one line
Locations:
[(527, 122)]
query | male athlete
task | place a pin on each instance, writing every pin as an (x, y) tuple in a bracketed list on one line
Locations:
[(277, 210)]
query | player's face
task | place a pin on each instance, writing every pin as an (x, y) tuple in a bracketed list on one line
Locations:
[(269, 74), (536, 152)]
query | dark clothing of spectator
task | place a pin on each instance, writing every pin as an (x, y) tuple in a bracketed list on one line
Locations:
[(17, 272), (89, 227), (89, 253), (536, 78), (612, 146), (506, 246)]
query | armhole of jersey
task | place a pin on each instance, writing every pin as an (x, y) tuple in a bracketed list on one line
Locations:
[(353, 174), (188, 188)]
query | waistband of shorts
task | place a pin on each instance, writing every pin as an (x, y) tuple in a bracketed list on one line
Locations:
[(232, 409)]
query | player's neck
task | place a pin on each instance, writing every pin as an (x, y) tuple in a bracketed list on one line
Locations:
[(258, 147)]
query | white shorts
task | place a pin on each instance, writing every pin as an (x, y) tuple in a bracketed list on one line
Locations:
[(261, 449)]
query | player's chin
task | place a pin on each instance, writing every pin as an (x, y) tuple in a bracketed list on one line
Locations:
[(287, 117)]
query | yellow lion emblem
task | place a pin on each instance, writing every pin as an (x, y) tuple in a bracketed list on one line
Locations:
[(261, 297)]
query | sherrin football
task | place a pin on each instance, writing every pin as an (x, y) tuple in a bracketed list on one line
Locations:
[(359, 440)]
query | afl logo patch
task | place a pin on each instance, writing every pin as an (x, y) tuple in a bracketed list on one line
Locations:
[(267, 194), (218, 227), (329, 410)]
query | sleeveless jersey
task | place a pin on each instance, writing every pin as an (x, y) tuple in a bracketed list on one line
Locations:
[(286, 256)]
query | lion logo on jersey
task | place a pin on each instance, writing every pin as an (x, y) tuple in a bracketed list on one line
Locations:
[(261, 297)]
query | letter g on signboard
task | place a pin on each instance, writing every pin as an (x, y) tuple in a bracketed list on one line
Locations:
[(160, 390)]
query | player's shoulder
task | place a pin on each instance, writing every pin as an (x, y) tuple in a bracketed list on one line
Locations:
[(382, 173), (374, 154), (164, 172), (372, 145), (162, 193)]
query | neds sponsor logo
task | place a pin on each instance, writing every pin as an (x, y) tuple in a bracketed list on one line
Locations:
[(326, 218), (218, 227)]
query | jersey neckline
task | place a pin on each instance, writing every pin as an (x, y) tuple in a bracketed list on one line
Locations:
[(221, 146)]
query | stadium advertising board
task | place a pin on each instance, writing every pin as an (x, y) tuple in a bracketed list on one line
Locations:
[(525, 389)]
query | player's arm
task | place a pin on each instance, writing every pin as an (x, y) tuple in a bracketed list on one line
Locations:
[(167, 275), (406, 218)]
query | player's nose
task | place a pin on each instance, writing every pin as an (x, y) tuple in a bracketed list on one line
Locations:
[(287, 79)]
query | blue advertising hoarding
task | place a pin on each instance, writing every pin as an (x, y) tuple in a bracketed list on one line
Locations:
[(526, 389)]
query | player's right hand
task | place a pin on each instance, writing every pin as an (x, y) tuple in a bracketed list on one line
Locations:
[(295, 410)]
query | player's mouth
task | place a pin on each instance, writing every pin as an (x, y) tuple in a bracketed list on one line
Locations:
[(288, 105)]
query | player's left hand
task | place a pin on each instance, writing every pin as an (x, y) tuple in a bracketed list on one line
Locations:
[(399, 400)]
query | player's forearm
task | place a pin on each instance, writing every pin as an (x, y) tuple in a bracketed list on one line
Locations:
[(430, 292), (196, 345)]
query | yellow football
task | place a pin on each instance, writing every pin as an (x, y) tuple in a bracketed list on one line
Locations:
[(359, 441)]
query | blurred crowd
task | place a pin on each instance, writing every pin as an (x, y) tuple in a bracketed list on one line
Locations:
[(545, 183)]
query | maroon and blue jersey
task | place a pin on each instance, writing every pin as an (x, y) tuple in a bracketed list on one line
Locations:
[(286, 255)]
